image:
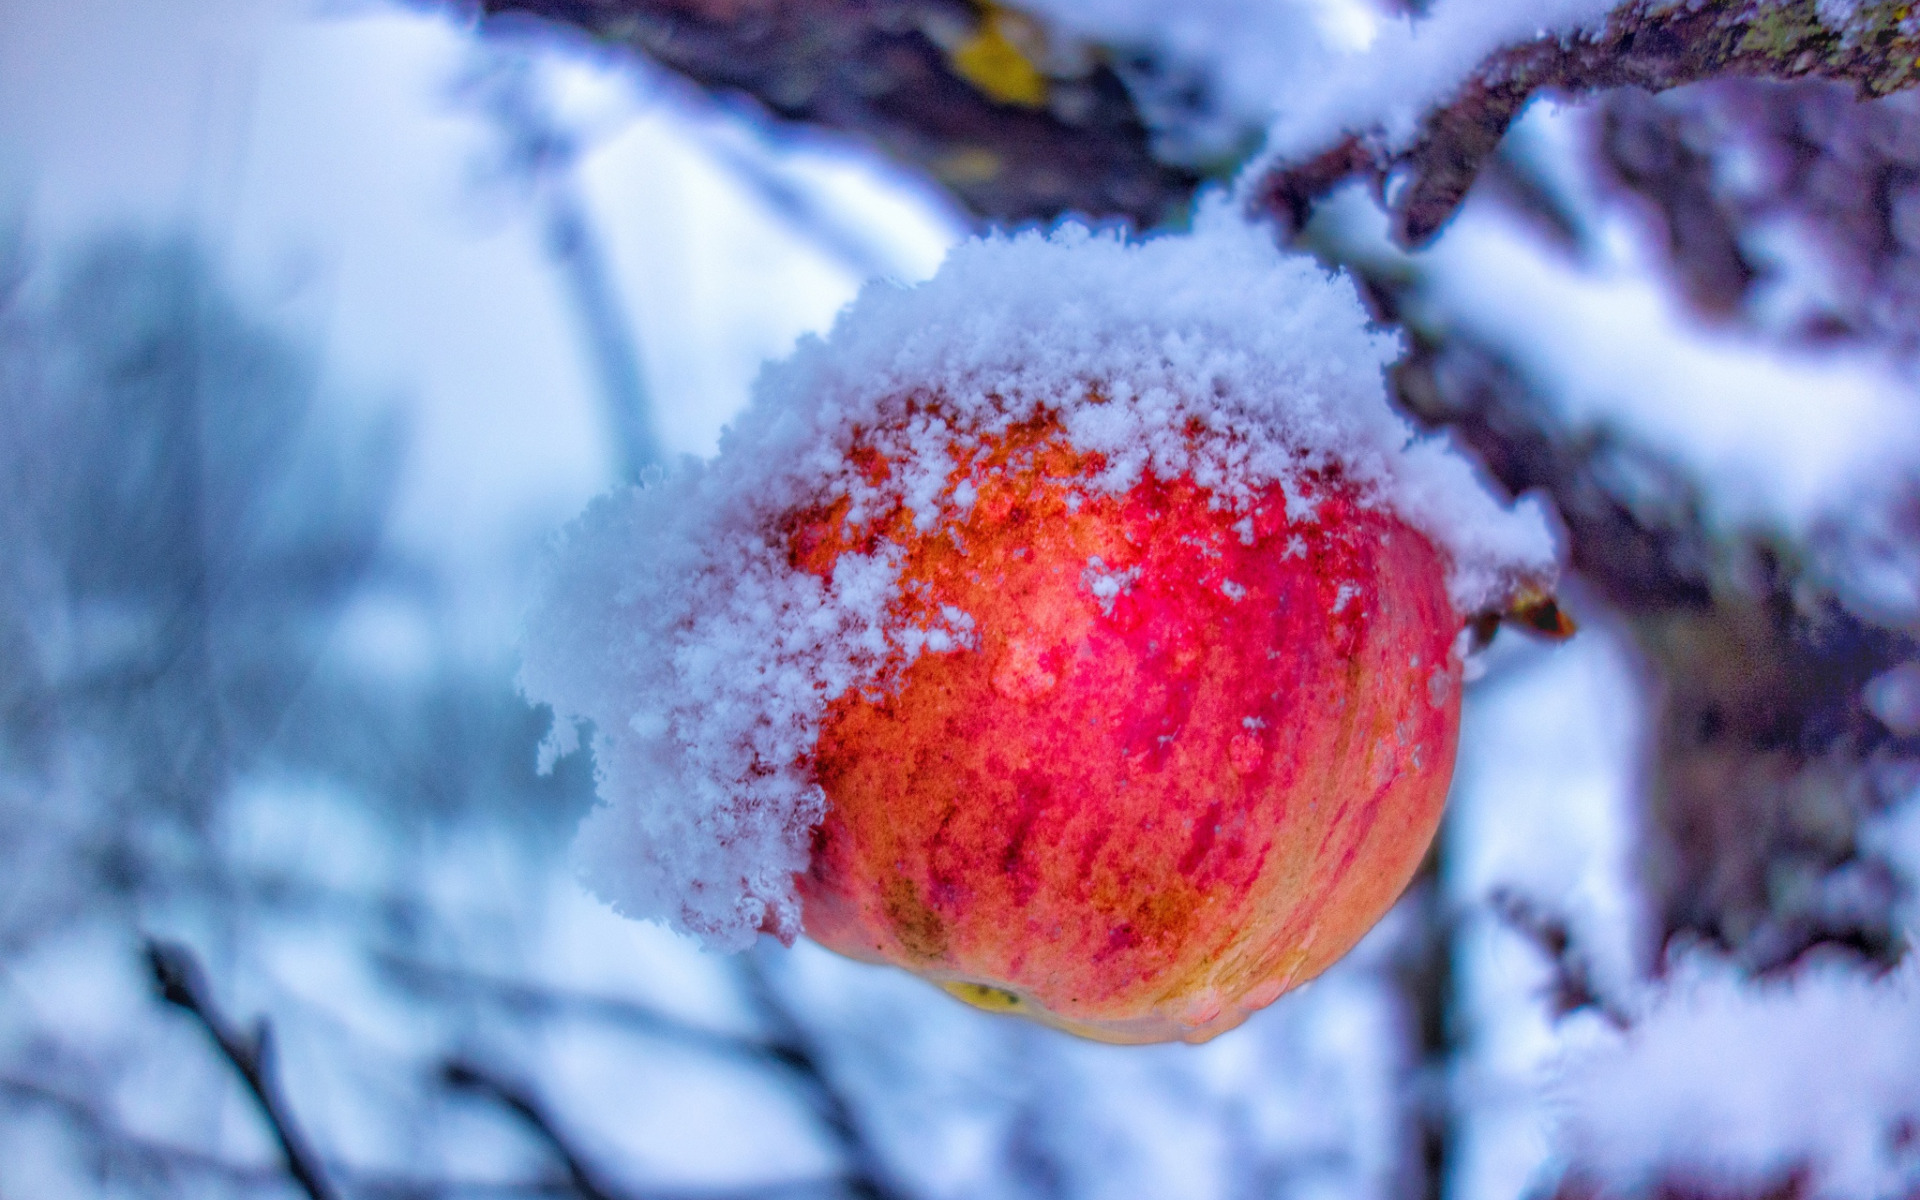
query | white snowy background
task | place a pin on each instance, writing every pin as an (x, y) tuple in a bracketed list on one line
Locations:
[(339, 185)]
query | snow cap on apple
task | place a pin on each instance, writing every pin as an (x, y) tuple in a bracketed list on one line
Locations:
[(1080, 629)]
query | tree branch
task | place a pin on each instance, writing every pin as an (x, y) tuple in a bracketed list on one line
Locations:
[(867, 1174), (535, 999), (126, 1150), (786, 1046), (180, 980), (1574, 986), (462, 1075), (937, 84), (1650, 44), (1761, 729)]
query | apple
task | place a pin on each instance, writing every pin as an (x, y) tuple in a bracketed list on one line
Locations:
[(1189, 749), (1080, 628)]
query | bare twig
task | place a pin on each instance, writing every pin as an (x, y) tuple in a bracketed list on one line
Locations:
[(125, 1149), (546, 155), (540, 1000), (166, 1160), (182, 982), (787, 1046), (463, 1075), (583, 1180), (1574, 986), (867, 1174)]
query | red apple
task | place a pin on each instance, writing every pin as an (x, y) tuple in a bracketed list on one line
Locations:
[(1193, 749)]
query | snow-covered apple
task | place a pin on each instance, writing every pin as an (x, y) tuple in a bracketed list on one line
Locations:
[(1080, 630)]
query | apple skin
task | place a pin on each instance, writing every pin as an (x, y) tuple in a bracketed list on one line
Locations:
[(1191, 754)]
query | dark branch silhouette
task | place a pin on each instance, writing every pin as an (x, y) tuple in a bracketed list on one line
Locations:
[(118, 1145), (463, 1075), (1574, 986), (786, 1046), (537, 1000), (794, 1046), (182, 982)]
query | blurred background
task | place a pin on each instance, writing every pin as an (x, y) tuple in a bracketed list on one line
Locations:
[(318, 318)]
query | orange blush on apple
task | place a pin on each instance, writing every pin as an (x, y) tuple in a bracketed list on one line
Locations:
[(1191, 751)]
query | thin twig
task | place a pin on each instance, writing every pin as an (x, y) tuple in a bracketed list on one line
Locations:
[(125, 1148), (182, 982), (528, 998), (791, 1043), (787, 1046), (167, 1160), (466, 1076), (547, 155), (1574, 986), (582, 1179)]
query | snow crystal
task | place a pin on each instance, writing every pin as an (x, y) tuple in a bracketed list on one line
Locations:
[(1744, 1083), (1105, 583), (675, 625)]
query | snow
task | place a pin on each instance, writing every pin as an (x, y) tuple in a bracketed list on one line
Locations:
[(1310, 1098), (1893, 838), (1312, 72), (1774, 431), (1744, 1083), (1776, 434), (674, 624), (1543, 810), (1411, 66), (1316, 70), (1242, 49)]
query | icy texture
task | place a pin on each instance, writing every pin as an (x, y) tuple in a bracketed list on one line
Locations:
[(674, 624), (1743, 1083)]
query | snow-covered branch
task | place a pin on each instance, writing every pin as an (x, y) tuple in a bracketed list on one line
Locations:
[(1429, 160)]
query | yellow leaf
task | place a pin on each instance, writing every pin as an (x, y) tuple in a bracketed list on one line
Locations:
[(992, 61)]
